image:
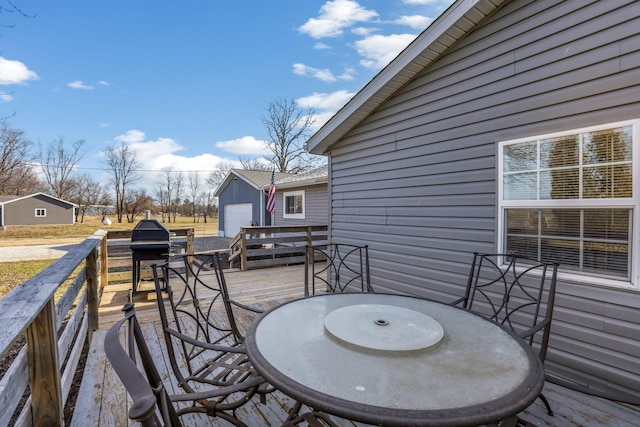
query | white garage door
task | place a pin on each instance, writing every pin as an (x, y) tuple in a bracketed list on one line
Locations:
[(236, 216)]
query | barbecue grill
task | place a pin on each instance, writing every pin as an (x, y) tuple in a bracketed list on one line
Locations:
[(149, 241)]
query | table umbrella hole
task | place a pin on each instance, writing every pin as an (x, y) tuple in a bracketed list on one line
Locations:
[(381, 322)]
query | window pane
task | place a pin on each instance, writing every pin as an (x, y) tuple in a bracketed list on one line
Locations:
[(559, 152), (298, 204), (290, 205), (520, 186), (606, 182), (561, 222), (587, 240), (607, 146), (521, 157), (609, 257), (560, 184), (607, 224)]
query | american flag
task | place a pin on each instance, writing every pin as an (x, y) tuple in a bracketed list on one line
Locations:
[(271, 200)]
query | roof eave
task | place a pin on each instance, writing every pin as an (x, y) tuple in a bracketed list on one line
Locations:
[(458, 20)]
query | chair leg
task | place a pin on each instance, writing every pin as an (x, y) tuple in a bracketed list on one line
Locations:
[(546, 404)]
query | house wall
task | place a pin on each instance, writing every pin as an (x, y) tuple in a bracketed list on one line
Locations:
[(239, 191), (22, 212), (417, 179), (316, 206)]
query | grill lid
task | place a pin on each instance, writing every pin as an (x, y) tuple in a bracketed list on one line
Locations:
[(150, 230)]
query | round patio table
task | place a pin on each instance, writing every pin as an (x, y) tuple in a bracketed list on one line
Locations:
[(394, 360)]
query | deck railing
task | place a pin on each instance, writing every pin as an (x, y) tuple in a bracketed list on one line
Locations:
[(30, 310), (259, 247), (56, 327)]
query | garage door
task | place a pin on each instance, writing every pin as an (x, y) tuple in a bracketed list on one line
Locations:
[(236, 216)]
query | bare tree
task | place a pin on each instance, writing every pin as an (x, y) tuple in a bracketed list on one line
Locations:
[(169, 193), (288, 128), (194, 192), (58, 162), (254, 164), (178, 189), (216, 177), (136, 201), (16, 171), (86, 192), (122, 163)]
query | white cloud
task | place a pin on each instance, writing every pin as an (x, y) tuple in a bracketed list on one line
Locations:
[(304, 70), (334, 17), (347, 75), (325, 105), (419, 22), (5, 97), (364, 31), (103, 83), (325, 101), (77, 84), (131, 136), (148, 150), (321, 46), (15, 72), (247, 145), (104, 125), (379, 50)]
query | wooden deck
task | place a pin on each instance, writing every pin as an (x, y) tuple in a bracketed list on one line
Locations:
[(102, 400)]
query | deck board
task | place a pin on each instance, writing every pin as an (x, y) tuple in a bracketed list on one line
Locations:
[(102, 400)]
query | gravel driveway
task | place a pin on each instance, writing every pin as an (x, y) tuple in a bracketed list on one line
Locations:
[(26, 253)]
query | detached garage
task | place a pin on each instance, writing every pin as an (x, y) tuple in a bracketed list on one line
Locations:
[(242, 200)]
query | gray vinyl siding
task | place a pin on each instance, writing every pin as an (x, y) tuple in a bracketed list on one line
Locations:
[(23, 211), (316, 211), (417, 179)]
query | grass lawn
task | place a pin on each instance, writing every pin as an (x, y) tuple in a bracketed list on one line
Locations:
[(14, 273)]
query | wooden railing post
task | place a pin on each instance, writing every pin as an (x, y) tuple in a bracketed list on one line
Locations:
[(104, 262), (189, 248), (243, 245), (91, 265), (44, 369)]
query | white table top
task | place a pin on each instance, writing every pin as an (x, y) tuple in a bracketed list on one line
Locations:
[(475, 370)]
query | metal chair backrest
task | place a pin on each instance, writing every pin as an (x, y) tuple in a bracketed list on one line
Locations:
[(203, 342), (517, 292), (151, 402), (339, 267)]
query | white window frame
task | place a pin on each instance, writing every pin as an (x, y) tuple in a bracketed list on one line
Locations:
[(284, 204), (44, 212), (632, 203)]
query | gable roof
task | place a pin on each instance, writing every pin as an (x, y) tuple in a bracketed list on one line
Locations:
[(314, 176), (450, 27), (257, 179), (9, 199)]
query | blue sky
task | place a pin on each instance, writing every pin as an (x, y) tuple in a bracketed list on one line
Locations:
[(186, 83)]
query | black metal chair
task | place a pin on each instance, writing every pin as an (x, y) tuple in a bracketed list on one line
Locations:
[(516, 292), (153, 405), (205, 347), (339, 267)]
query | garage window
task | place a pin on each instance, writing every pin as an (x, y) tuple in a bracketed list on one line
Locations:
[(293, 204), (41, 212)]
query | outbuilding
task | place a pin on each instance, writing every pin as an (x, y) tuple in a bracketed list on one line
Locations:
[(36, 209), (242, 200)]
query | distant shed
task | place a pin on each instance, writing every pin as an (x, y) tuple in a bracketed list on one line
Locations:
[(35, 209)]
